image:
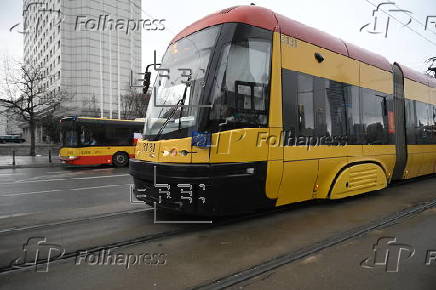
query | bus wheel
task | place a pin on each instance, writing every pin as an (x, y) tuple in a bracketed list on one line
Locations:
[(120, 159)]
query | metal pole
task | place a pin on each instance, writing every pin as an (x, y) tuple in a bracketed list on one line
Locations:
[(13, 157), (118, 75), (110, 73), (49, 156), (101, 67)]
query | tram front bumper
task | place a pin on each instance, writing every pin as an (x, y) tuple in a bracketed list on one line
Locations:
[(209, 189)]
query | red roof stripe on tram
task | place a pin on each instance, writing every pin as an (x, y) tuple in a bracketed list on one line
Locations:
[(418, 77), (252, 15), (368, 57), (267, 19), (311, 35)]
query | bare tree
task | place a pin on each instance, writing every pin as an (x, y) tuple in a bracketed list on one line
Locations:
[(25, 94), (134, 104)]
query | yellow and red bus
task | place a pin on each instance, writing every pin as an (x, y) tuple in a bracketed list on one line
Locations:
[(93, 141), (275, 112)]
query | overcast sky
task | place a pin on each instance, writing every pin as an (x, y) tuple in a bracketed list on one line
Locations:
[(341, 18)]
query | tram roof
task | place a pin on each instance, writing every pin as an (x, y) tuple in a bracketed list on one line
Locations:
[(267, 19)]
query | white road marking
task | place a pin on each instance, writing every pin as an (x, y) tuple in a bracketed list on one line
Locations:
[(28, 193), (40, 180), (6, 174), (63, 179), (57, 190), (105, 176), (14, 215), (95, 187)]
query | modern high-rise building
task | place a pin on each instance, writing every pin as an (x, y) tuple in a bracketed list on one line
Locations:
[(83, 52)]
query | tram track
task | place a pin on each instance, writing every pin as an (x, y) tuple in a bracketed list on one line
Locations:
[(72, 221), (269, 265), (143, 239)]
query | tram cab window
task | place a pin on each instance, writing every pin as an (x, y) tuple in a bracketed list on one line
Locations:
[(241, 86)]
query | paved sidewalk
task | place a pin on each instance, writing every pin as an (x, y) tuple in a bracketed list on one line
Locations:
[(6, 161)]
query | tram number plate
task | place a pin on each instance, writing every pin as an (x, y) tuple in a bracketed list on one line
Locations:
[(149, 147)]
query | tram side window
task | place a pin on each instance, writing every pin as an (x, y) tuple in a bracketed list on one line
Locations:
[(410, 122), (354, 122), (305, 105), (331, 109), (374, 117), (289, 83), (313, 106), (423, 125)]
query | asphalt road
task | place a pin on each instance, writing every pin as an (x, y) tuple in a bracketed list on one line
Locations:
[(85, 216)]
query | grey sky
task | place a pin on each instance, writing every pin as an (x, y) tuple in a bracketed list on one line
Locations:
[(341, 18)]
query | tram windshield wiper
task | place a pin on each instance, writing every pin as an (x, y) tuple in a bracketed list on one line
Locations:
[(181, 103)]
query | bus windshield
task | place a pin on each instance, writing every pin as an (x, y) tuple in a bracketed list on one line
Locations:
[(69, 134), (182, 73)]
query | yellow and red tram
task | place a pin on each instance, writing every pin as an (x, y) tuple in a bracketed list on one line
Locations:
[(275, 112)]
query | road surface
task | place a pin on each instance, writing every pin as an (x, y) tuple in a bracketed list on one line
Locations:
[(85, 216)]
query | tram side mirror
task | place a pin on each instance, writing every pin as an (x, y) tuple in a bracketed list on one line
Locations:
[(319, 57), (146, 83)]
